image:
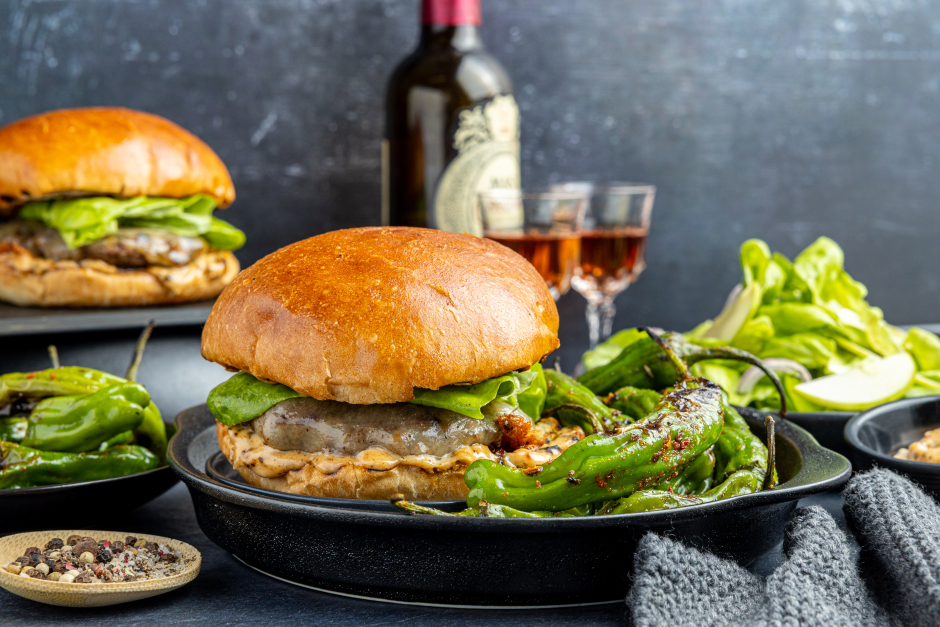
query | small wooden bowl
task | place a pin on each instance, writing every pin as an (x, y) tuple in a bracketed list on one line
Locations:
[(89, 595)]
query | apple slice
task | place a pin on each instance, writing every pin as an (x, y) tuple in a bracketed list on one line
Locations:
[(873, 382)]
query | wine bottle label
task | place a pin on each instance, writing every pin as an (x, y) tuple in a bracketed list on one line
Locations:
[(487, 143)]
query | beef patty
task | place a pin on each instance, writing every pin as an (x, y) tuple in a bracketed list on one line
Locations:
[(306, 424), (128, 248)]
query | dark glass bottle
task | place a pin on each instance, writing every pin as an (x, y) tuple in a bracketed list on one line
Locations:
[(452, 129)]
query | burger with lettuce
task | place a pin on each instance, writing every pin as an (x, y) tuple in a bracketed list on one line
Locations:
[(380, 361), (105, 207)]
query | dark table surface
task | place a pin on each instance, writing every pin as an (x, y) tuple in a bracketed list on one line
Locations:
[(227, 592)]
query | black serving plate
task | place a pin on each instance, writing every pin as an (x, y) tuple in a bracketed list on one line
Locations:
[(366, 549), (875, 435), (825, 426), (32, 509)]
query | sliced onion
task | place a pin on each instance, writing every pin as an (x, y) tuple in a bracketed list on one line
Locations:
[(779, 365)]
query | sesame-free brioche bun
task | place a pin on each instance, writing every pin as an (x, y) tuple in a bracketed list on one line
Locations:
[(105, 152), (367, 315)]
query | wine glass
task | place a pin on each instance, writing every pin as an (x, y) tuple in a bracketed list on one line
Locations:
[(613, 243), (542, 226)]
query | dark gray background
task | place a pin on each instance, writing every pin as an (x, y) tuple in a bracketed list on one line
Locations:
[(778, 119)]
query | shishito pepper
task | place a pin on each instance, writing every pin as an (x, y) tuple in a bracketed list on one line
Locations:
[(645, 364), (606, 466), (634, 403), (741, 467), (25, 467), (62, 381), (13, 429), (563, 391), (80, 423)]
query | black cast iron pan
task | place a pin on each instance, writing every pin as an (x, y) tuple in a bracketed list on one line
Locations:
[(368, 549)]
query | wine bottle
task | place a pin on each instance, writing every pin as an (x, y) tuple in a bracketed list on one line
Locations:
[(452, 129)]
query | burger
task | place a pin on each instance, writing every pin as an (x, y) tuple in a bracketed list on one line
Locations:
[(104, 207), (379, 361)]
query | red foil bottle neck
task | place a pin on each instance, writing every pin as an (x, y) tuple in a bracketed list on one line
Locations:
[(451, 12)]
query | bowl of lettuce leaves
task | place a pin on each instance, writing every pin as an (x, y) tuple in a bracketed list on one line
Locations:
[(809, 320)]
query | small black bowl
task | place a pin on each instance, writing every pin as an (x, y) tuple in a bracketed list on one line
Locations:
[(825, 426), (875, 435), (368, 549), (32, 509)]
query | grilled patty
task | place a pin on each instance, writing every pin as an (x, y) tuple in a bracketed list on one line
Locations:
[(128, 248), (306, 424)]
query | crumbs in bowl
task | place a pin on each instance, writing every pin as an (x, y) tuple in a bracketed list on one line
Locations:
[(927, 449), (82, 559)]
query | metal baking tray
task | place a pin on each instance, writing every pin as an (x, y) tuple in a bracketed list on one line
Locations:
[(42, 320)]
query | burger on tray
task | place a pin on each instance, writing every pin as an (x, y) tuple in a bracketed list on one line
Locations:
[(105, 207), (382, 361)]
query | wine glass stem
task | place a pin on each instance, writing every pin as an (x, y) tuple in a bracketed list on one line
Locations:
[(594, 323), (607, 311)]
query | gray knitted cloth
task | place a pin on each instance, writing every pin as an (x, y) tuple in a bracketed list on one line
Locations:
[(821, 583)]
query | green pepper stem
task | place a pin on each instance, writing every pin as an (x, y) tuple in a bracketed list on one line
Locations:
[(728, 352), (682, 369), (139, 351), (770, 479), (584, 411), (399, 501), (54, 356)]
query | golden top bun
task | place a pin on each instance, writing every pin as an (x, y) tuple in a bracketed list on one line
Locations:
[(105, 152), (366, 315)]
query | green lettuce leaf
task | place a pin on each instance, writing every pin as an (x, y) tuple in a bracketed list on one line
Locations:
[(760, 267), (532, 399), (924, 347), (243, 398), (754, 334), (82, 221), (469, 400)]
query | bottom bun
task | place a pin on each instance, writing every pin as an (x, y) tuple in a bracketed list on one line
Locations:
[(352, 481), (31, 281)]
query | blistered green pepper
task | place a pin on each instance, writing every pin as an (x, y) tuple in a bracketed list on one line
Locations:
[(645, 364), (606, 466), (81, 423), (13, 429), (488, 510), (24, 467), (563, 391), (62, 381), (633, 403), (651, 500), (152, 431), (122, 439)]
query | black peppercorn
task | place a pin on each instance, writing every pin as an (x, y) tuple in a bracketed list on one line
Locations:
[(130, 540), (86, 545), (59, 566), (35, 574), (117, 546), (31, 550), (22, 560), (153, 547), (54, 544), (35, 558), (104, 555), (85, 577), (73, 540), (168, 557), (49, 563)]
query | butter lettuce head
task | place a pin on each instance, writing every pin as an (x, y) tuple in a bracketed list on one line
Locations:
[(244, 397), (81, 221)]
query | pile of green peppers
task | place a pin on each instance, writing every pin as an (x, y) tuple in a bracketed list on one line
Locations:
[(658, 438), (71, 424)]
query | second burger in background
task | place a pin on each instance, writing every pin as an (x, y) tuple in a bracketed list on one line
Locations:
[(106, 207), (376, 362)]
